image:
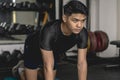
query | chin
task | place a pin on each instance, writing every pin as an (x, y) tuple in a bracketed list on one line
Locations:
[(76, 32)]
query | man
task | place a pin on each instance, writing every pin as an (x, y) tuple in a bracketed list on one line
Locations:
[(42, 49)]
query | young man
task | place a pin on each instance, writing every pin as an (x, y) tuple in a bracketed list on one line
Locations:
[(42, 48)]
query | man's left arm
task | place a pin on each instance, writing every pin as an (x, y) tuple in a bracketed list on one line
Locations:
[(82, 64)]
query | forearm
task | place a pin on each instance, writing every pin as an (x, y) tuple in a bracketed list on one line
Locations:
[(82, 71), (19, 64)]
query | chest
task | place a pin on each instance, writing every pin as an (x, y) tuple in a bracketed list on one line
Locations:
[(65, 42)]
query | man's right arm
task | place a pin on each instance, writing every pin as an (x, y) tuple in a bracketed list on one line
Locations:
[(48, 64)]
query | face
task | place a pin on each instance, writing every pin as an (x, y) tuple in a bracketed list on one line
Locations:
[(75, 22)]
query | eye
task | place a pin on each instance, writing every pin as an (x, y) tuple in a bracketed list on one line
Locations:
[(83, 20), (75, 20)]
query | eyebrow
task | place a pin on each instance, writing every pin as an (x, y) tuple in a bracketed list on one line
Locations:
[(79, 20)]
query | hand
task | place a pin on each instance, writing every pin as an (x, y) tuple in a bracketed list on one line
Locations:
[(14, 70)]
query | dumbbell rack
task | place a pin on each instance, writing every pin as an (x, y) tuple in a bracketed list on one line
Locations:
[(10, 45), (22, 6), (28, 6)]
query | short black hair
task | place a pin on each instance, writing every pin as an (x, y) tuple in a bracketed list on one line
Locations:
[(75, 6)]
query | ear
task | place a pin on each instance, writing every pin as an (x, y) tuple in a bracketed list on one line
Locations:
[(64, 17)]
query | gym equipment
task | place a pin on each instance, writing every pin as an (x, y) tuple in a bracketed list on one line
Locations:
[(2, 61), (115, 65), (106, 40), (12, 28), (0, 5), (34, 6), (30, 29), (5, 58), (16, 28), (7, 6), (16, 55), (25, 4), (20, 29), (24, 29), (88, 48), (2, 30), (98, 41), (93, 42), (6, 54), (102, 41), (3, 5), (11, 6), (18, 6)]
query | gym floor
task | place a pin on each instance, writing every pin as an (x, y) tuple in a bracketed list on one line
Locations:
[(68, 71), (97, 70)]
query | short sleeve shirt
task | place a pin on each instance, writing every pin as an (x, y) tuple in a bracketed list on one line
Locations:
[(52, 38)]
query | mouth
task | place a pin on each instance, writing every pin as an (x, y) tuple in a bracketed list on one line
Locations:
[(78, 30)]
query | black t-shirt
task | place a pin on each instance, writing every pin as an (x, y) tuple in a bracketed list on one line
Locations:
[(52, 38)]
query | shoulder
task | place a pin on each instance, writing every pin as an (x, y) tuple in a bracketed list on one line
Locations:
[(51, 27), (52, 24), (83, 34), (84, 30), (82, 38)]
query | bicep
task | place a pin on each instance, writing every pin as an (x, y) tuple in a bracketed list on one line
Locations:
[(48, 58), (46, 40)]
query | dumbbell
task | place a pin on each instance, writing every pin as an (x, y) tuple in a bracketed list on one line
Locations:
[(1, 5), (3, 28), (35, 6), (12, 28), (16, 55), (21, 29), (2, 61), (18, 5), (7, 6), (5, 57), (14, 5), (25, 4), (30, 29), (10, 6), (4, 5)]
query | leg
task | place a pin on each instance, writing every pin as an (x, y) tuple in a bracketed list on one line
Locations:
[(41, 73), (31, 57), (31, 74)]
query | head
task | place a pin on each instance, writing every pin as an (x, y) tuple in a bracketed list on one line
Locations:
[(74, 17)]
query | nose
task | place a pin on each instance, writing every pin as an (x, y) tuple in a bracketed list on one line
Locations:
[(79, 24)]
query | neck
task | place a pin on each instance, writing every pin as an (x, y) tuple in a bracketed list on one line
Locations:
[(65, 29)]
